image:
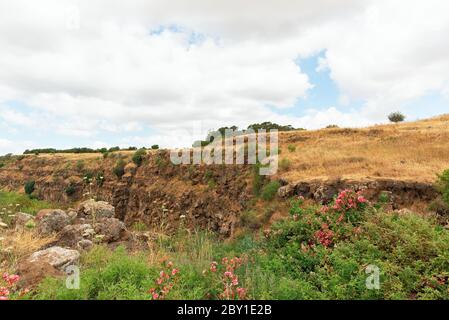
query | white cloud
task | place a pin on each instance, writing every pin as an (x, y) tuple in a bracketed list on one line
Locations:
[(91, 67)]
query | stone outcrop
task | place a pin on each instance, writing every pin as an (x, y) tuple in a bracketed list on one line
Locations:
[(401, 193), (57, 257), (51, 220)]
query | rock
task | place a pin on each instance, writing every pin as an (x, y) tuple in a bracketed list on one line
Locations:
[(52, 220), (85, 244), (71, 235), (57, 257), (72, 214), (111, 229), (286, 191), (21, 219), (96, 209), (3, 225)]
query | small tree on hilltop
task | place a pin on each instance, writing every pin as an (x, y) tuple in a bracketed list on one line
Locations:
[(396, 117)]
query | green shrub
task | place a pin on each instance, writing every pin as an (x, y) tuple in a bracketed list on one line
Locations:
[(269, 191), (284, 164), (258, 179), (70, 190), (249, 219), (396, 117), (291, 148), (119, 169), (105, 155), (443, 184), (139, 156), (99, 178), (80, 165), (155, 147), (2, 165), (30, 187)]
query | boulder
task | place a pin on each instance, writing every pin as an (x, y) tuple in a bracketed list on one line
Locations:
[(110, 230), (95, 209), (57, 257), (286, 191), (85, 244), (22, 219), (52, 220), (71, 235)]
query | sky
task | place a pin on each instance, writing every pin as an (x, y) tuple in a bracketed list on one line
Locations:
[(93, 73)]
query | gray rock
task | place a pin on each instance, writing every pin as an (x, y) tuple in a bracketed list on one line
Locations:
[(110, 229), (71, 235), (95, 209), (85, 244), (57, 257), (52, 220)]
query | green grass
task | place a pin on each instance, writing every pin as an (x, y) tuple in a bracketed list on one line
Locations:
[(12, 202), (412, 254)]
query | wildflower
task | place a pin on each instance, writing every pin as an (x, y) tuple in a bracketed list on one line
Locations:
[(213, 266), (228, 274), (155, 296), (174, 272), (241, 293), (361, 199)]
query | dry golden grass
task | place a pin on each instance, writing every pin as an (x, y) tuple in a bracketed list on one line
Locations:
[(15, 245), (409, 151), (414, 151)]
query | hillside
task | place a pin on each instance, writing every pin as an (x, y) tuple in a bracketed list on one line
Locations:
[(402, 159), (165, 231)]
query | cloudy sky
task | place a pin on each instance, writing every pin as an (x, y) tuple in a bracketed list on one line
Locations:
[(104, 73)]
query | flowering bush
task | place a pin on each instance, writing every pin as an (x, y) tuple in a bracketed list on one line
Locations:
[(167, 279), (225, 274), (332, 222), (338, 220), (8, 288)]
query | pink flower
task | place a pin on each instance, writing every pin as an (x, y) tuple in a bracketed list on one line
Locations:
[(2, 298), (4, 291), (241, 292), (155, 296), (213, 267), (361, 199), (174, 272), (228, 274)]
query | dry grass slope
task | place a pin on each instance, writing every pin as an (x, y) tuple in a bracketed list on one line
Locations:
[(409, 151)]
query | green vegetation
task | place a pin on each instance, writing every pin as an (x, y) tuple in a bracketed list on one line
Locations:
[(139, 156), (119, 169), (76, 150), (11, 202), (258, 179), (269, 191), (300, 258), (269, 125), (155, 147), (284, 164), (443, 184), (70, 190), (29, 187), (396, 117), (291, 148)]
